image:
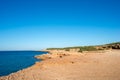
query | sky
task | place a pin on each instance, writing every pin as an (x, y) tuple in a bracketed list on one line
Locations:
[(40, 24)]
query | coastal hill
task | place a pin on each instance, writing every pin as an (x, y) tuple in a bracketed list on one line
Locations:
[(115, 45)]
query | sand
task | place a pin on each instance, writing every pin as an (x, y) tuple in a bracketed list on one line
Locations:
[(74, 66)]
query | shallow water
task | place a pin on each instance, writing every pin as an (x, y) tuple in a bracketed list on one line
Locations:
[(12, 61)]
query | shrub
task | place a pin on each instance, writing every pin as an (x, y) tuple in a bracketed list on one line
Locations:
[(67, 49), (88, 48)]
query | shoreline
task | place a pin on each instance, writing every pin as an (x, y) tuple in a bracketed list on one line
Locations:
[(60, 65), (36, 60)]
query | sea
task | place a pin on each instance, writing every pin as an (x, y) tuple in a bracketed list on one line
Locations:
[(13, 61)]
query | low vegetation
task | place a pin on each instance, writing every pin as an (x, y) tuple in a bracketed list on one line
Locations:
[(90, 48)]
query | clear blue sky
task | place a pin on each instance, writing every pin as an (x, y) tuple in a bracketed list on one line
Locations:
[(38, 24)]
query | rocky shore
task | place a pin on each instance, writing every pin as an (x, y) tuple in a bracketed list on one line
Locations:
[(72, 65)]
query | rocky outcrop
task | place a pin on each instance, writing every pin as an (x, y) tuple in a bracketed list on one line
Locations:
[(111, 46), (53, 54)]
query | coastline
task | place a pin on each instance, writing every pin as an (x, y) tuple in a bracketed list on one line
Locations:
[(14, 61), (64, 65)]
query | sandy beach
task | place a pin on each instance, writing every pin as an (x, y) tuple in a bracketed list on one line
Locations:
[(104, 65)]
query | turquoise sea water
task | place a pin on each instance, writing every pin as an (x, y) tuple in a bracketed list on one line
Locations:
[(12, 61)]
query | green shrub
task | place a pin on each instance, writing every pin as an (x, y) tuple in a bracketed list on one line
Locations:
[(88, 48), (67, 49)]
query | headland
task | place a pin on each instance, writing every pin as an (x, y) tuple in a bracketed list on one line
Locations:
[(74, 63)]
